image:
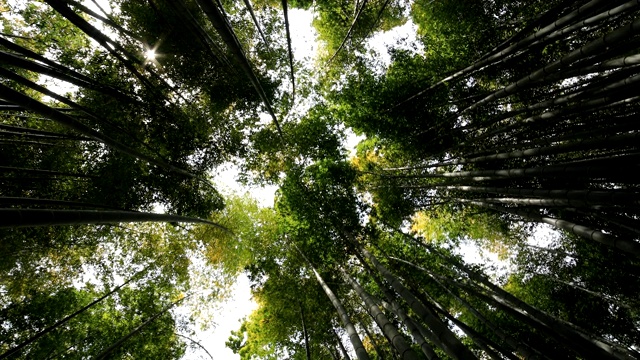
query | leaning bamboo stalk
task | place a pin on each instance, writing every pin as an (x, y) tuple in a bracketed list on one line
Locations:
[(522, 348), (587, 8), (103, 19), (285, 12), (346, 37), (395, 338), (14, 200), (13, 218), (626, 245), (452, 346), (413, 327), (581, 340), (105, 353), (247, 4), (373, 341), (55, 66), (111, 46), (69, 122), (538, 22), (612, 64), (219, 21), (341, 347), (361, 352), (417, 330), (12, 169), (39, 134), (591, 21), (481, 341), (589, 49), (582, 92), (63, 321), (606, 142), (191, 23), (69, 76), (582, 129), (305, 333), (599, 167), (605, 101)]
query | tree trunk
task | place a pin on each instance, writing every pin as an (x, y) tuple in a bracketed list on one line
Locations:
[(61, 322), (373, 342), (105, 353), (522, 348), (11, 218), (219, 21), (73, 124), (451, 345), (361, 353), (584, 343), (304, 333), (391, 305), (344, 352), (626, 245), (285, 12), (396, 339), (255, 21), (411, 325)]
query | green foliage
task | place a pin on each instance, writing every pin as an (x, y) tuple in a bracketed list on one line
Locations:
[(472, 157), (94, 330)]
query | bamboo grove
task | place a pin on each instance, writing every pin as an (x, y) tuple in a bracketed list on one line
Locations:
[(511, 116)]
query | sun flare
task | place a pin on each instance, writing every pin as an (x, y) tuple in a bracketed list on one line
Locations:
[(150, 55)]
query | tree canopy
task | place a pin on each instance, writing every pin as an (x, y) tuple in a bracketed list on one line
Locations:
[(503, 121)]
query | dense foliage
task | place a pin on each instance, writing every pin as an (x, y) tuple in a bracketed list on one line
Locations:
[(505, 119)]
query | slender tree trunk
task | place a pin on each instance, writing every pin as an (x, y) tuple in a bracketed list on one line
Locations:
[(346, 37), (9, 200), (592, 48), (285, 12), (614, 141), (626, 245), (587, 344), (255, 21), (590, 292), (69, 75), (480, 340), (39, 134), (396, 339), (413, 327), (572, 197), (219, 21), (63, 321), (332, 352), (73, 124), (344, 352), (304, 332), (452, 346), (11, 169), (373, 342), (512, 49), (361, 353), (197, 344), (526, 351), (11, 218), (106, 352)]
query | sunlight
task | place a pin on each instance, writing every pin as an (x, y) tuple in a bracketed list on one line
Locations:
[(150, 54)]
